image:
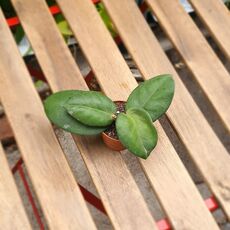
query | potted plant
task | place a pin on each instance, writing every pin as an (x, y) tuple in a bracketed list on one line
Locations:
[(128, 124)]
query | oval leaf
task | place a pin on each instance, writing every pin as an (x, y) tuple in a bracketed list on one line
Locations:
[(136, 132), (55, 111), (64, 28), (91, 108), (154, 95)]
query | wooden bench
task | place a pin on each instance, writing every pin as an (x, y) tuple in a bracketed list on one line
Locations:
[(59, 195)]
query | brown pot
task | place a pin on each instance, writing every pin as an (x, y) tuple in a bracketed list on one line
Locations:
[(112, 143)]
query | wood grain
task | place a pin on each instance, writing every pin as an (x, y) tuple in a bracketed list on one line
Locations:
[(191, 126), (207, 69), (6, 131), (114, 182), (163, 167), (55, 186), (162, 159), (101, 52), (11, 207), (216, 16)]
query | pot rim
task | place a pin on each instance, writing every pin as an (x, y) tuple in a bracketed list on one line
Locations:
[(111, 138)]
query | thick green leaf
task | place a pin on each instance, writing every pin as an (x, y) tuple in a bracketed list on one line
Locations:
[(91, 108), (154, 95), (55, 111), (136, 132)]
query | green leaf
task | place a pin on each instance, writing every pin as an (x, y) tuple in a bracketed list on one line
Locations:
[(50, 2), (7, 8), (59, 18), (136, 132), (55, 111), (154, 95), (105, 17), (64, 28), (91, 108), (39, 84), (19, 34), (5, 5)]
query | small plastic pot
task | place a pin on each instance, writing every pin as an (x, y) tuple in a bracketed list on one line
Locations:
[(112, 143)]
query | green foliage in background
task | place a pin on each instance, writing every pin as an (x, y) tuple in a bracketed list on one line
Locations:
[(227, 3), (60, 20), (105, 17)]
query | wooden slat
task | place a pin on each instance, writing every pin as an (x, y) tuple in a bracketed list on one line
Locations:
[(12, 212), (115, 184), (6, 131), (56, 188), (117, 82), (197, 54), (192, 128), (217, 18)]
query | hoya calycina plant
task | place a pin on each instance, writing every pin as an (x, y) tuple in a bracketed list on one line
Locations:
[(91, 113)]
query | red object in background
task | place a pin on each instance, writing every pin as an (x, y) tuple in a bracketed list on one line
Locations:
[(53, 9), (211, 204), (13, 21), (163, 224), (30, 196)]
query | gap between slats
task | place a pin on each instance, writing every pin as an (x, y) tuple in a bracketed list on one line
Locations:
[(149, 69)]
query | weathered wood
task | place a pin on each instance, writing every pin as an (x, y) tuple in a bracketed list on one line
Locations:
[(115, 184), (164, 158), (191, 126), (6, 131), (217, 18), (108, 65), (12, 212), (197, 54), (55, 186)]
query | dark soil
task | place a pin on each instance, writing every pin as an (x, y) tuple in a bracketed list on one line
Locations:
[(111, 130), (120, 106)]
